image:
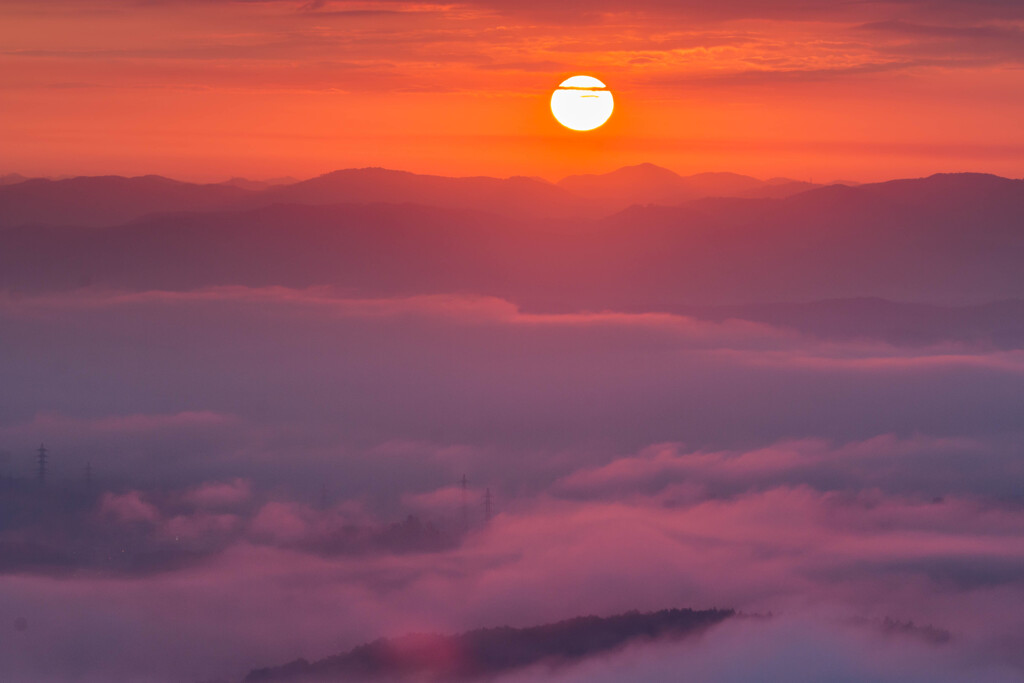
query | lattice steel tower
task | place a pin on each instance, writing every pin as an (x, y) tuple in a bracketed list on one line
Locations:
[(41, 463)]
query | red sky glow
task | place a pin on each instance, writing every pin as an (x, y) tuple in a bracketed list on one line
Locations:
[(814, 90)]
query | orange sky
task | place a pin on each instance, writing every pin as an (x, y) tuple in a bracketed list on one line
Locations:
[(812, 89)]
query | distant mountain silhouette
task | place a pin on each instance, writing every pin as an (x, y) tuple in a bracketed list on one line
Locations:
[(779, 188), (111, 200), (370, 248), (650, 184), (106, 200), (486, 653), (641, 184), (948, 239), (517, 196), (257, 185), (12, 178)]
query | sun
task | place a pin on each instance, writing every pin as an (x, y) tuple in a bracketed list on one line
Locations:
[(582, 103)]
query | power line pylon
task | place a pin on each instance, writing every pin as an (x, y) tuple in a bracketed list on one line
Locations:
[(487, 505)]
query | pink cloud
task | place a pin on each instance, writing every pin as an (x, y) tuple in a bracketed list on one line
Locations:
[(464, 309), (663, 466), (281, 522), (216, 495), (789, 550), (887, 360), (129, 507), (202, 526)]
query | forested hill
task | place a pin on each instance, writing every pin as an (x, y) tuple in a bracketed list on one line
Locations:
[(491, 651)]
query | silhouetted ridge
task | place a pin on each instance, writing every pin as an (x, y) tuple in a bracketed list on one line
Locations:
[(938, 189), (12, 179), (953, 239), (107, 200), (516, 195), (650, 184), (491, 651)]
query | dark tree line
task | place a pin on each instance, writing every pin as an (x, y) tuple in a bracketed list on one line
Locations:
[(487, 652)]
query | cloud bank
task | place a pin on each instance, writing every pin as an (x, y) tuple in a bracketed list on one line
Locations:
[(275, 475)]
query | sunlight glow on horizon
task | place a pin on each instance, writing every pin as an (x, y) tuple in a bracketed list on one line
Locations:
[(207, 91)]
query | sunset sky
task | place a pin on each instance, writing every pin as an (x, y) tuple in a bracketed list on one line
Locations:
[(812, 89), (286, 419)]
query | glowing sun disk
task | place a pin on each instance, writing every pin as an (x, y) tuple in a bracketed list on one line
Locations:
[(582, 103)]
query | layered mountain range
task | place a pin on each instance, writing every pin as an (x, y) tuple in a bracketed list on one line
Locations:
[(108, 200), (944, 240)]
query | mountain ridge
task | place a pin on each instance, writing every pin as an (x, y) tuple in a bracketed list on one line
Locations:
[(101, 201), (484, 653), (892, 241)]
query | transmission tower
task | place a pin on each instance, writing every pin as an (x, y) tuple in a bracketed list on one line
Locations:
[(487, 505), (41, 463)]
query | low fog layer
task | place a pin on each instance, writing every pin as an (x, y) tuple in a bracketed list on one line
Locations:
[(275, 473)]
